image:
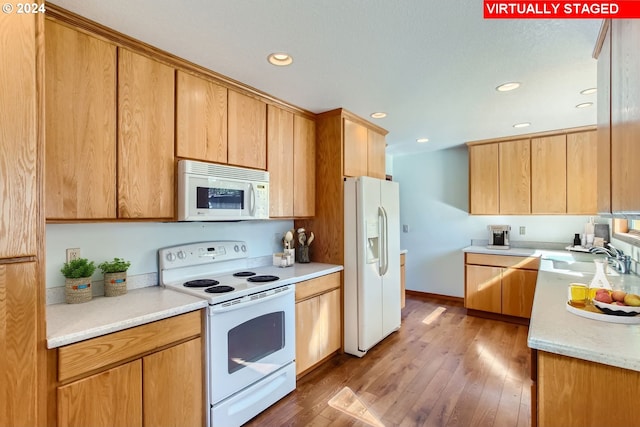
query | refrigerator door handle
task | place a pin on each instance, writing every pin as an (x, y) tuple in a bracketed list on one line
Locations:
[(384, 253)]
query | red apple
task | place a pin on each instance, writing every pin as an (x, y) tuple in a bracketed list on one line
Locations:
[(604, 297)]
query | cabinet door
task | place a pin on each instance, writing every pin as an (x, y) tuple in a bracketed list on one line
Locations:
[(247, 131), (145, 137), (19, 342), (80, 125), (518, 287), (18, 137), (483, 289), (582, 174), (483, 179), (112, 398), (173, 386), (283, 172), (375, 154), (201, 119), (515, 177), (355, 149), (549, 175), (304, 167), (604, 125), (625, 116), (317, 329)]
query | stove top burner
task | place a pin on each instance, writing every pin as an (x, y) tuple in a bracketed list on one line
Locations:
[(219, 289), (264, 278), (244, 274), (201, 283)]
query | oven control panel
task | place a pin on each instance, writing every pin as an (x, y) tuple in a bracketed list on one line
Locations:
[(194, 254)]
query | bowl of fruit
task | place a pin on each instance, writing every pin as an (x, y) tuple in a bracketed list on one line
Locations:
[(617, 302)]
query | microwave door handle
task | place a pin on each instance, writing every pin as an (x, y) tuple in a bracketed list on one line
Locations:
[(252, 200)]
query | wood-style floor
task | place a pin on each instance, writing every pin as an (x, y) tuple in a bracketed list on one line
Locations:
[(437, 370)]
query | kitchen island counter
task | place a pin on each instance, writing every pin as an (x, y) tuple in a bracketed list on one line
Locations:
[(555, 330)]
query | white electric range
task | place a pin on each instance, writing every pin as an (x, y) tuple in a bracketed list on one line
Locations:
[(250, 331)]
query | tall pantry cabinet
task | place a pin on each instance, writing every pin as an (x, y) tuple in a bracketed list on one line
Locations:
[(22, 325), (618, 119)]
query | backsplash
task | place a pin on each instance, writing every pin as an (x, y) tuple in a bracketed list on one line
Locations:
[(139, 242)]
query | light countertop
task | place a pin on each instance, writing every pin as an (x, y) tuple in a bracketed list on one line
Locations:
[(70, 323), (556, 330)]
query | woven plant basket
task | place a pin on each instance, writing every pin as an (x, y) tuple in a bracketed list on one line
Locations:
[(115, 284), (77, 290)]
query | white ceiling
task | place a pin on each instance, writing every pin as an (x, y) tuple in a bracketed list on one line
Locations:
[(432, 65)]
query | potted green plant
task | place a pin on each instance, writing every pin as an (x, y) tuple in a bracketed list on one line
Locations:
[(115, 276), (78, 274)]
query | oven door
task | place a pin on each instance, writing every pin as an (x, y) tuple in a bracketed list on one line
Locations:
[(206, 199), (250, 339)]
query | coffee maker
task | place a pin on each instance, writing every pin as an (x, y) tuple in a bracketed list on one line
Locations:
[(498, 236)]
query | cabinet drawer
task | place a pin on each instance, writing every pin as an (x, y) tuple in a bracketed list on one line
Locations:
[(527, 263), (86, 356), (317, 286)]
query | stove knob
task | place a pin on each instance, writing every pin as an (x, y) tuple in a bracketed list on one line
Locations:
[(182, 254), (171, 256), (244, 248), (236, 248)]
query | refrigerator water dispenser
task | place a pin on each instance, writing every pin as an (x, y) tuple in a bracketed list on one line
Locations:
[(373, 235)]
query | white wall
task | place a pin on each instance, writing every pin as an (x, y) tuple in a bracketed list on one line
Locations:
[(434, 203), (139, 242)]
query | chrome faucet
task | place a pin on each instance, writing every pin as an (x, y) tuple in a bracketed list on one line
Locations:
[(615, 257)]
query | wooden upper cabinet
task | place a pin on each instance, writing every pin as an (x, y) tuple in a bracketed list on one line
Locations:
[(282, 170), (582, 174), (483, 179), (355, 148), (604, 125), (514, 158), (247, 137), (549, 175), (19, 140), (376, 145), (201, 119), (625, 116), (80, 125), (145, 137), (304, 166)]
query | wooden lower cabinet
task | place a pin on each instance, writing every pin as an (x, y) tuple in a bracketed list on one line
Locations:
[(318, 322), (173, 386), (500, 284), (112, 398), (122, 379), (575, 392)]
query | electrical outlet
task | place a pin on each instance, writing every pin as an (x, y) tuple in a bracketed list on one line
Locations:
[(405, 228), (523, 230), (73, 253)]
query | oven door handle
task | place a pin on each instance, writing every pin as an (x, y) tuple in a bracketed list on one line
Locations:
[(218, 308)]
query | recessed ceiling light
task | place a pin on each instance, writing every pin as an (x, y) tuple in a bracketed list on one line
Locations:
[(588, 91), (506, 87), (379, 115), (584, 105), (522, 125), (280, 59), (421, 140)]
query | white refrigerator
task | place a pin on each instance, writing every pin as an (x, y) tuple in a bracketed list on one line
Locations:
[(371, 262)]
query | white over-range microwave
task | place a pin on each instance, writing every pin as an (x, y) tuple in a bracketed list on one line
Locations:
[(212, 192)]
